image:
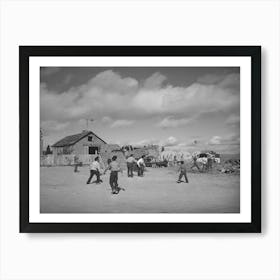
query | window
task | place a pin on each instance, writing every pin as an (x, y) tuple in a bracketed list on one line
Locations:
[(93, 150), (90, 138)]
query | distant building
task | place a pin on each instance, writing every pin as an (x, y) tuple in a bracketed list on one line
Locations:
[(84, 143)]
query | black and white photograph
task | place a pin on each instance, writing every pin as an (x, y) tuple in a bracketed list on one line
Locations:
[(140, 140)]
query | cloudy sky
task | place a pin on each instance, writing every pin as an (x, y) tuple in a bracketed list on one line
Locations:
[(182, 108)]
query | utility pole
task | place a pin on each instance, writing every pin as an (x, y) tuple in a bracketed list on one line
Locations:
[(89, 120)]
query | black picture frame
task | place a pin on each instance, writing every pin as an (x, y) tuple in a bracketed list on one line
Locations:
[(25, 52)]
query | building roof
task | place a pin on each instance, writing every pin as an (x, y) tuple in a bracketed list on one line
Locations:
[(73, 139)]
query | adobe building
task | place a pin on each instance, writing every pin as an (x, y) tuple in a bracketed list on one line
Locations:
[(86, 145)]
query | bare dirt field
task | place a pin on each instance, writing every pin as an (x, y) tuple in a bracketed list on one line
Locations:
[(63, 191)]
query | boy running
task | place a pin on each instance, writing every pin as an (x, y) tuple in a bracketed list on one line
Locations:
[(95, 170)]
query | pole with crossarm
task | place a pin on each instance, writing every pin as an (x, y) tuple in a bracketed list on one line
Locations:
[(89, 120)]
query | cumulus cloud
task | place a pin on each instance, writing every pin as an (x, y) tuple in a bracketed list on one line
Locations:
[(232, 139), (194, 99), (170, 141), (122, 123), (215, 140), (111, 95), (173, 122), (155, 81), (106, 93), (109, 81)]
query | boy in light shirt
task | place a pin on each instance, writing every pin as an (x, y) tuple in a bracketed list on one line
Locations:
[(95, 170), (115, 168), (141, 165)]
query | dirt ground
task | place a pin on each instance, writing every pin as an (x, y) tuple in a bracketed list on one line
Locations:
[(63, 191)]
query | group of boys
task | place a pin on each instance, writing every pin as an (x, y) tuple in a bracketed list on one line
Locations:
[(140, 163), (132, 162), (114, 167)]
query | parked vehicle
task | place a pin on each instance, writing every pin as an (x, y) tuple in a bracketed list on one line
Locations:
[(163, 163), (150, 161)]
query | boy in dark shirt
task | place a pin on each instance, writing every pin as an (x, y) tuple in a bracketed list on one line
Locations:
[(183, 172)]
